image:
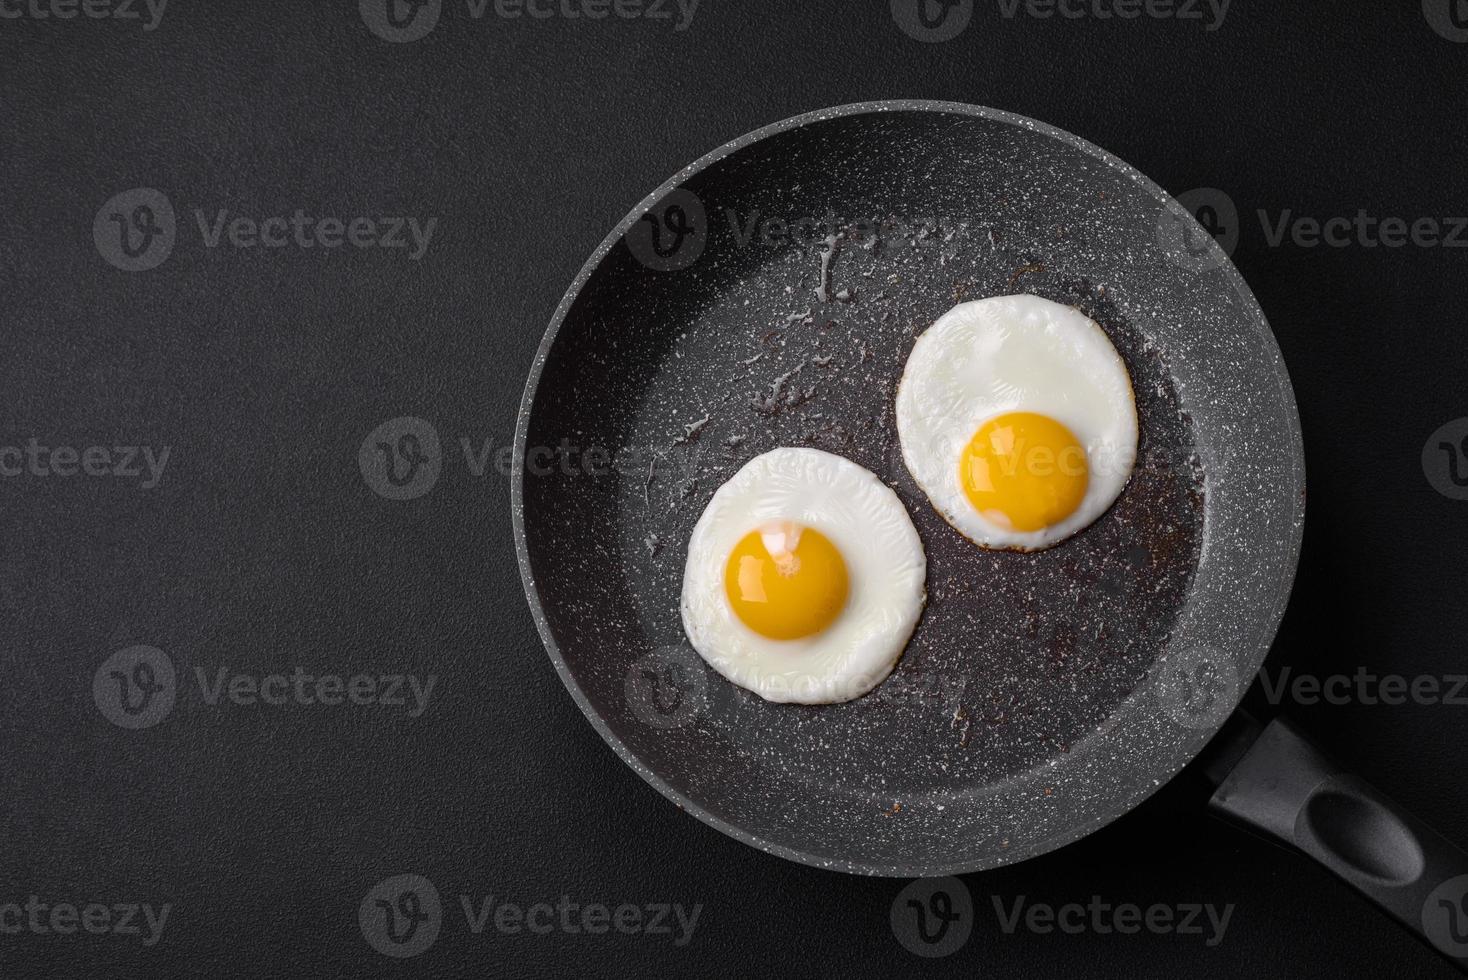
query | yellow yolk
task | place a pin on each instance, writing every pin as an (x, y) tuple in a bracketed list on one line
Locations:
[(785, 581), (1023, 471)]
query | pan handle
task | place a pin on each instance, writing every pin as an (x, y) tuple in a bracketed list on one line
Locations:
[(1287, 788)]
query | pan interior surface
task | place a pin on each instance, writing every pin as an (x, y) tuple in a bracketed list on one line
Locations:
[(1042, 694)]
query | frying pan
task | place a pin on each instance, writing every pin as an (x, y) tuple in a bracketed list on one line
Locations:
[(768, 295)]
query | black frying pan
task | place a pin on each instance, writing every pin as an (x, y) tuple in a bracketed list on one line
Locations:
[(768, 295)]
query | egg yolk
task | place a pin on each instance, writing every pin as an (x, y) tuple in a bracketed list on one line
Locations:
[(785, 581), (1023, 471)]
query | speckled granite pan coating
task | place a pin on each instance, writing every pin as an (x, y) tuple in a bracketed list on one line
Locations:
[(1025, 712)]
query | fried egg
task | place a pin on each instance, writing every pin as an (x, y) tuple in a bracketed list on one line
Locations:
[(804, 578), (1017, 418)]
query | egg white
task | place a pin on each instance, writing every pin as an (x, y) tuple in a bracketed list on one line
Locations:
[(1015, 354), (886, 567)]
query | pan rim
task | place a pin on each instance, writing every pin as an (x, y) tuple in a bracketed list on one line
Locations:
[(1269, 618)]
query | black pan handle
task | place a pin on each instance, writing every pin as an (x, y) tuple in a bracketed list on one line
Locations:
[(1273, 780)]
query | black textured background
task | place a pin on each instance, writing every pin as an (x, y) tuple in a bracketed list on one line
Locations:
[(262, 548)]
